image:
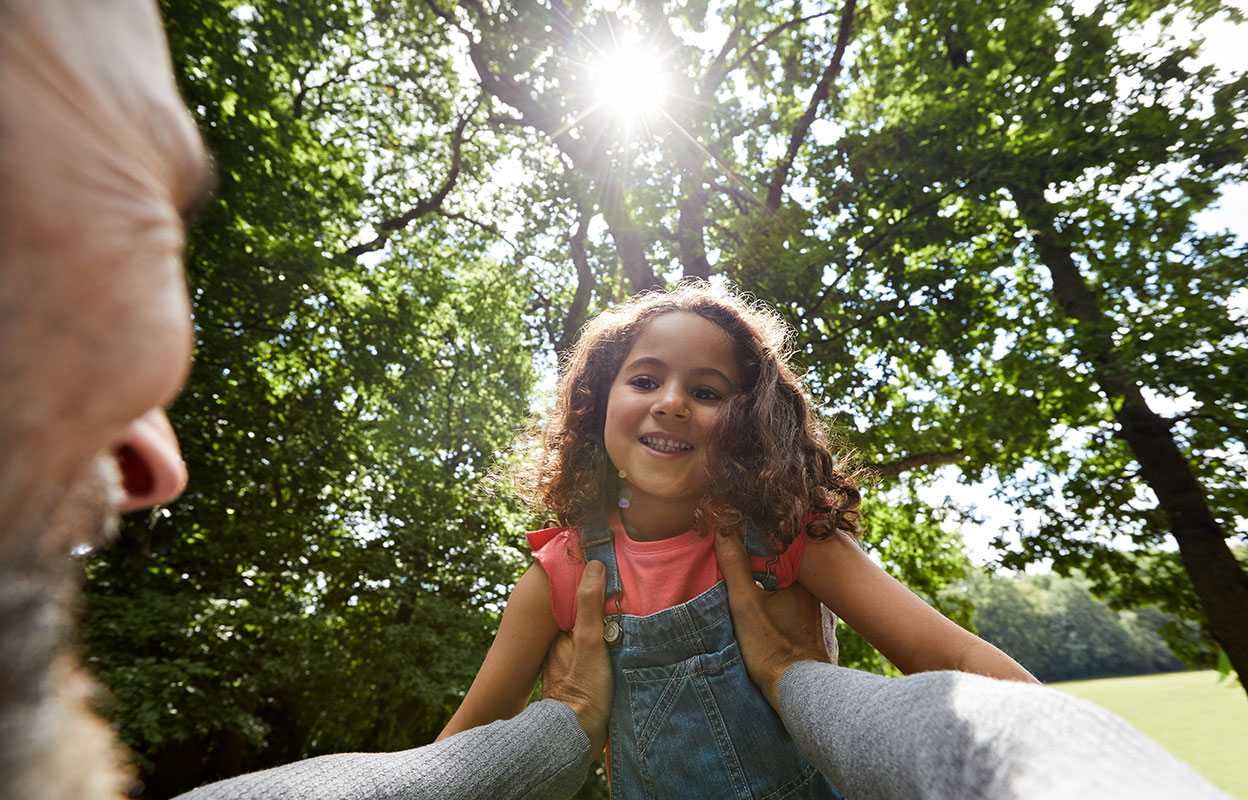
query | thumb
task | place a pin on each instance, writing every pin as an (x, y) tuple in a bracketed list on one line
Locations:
[(734, 563), (589, 597)]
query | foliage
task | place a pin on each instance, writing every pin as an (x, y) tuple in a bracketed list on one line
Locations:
[(1225, 671), (1055, 627), (978, 216), (914, 543), (1014, 278), (1153, 576)]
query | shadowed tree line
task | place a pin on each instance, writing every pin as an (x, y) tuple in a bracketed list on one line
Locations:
[(1059, 631), (978, 217)]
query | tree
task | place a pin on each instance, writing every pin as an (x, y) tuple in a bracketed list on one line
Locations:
[(918, 545), (1023, 274), (1156, 578), (1010, 614), (1055, 627)]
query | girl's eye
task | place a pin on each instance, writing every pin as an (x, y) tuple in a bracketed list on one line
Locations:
[(706, 393), (643, 382)]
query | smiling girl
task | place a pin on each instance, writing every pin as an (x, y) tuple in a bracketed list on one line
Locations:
[(678, 418)]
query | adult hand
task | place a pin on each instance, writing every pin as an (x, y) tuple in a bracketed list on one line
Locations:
[(773, 629), (577, 669)]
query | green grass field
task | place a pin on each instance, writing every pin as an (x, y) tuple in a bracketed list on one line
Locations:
[(1201, 721)]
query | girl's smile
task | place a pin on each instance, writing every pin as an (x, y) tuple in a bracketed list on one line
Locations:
[(660, 411), (667, 445)]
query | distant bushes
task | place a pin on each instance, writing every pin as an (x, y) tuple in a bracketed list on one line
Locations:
[(1054, 627)]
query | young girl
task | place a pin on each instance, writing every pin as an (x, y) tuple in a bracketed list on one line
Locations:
[(678, 417)]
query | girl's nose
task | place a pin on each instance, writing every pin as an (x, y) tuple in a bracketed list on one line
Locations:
[(670, 403)]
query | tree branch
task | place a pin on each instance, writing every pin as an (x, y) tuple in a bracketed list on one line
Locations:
[(734, 237), (775, 191), (741, 199), (1221, 422), (301, 95), (432, 204), (691, 227), (892, 469), (488, 227), (716, 71), (628, 240), (745, 54), (532, 114), (577, 312), (445, 16)]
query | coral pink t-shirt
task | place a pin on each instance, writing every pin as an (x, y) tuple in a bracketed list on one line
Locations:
[(654, 575)]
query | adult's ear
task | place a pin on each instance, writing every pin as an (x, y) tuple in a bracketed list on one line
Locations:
[(150, 461)]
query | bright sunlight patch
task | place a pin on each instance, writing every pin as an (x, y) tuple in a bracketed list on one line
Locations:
[(630, 82)]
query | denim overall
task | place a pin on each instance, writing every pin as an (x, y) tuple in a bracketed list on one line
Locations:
[(686, 721)]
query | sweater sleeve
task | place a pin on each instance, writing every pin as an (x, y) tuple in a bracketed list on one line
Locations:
[(950, 734), (541, 754)]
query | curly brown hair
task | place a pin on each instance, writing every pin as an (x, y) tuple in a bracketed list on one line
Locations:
[(772, 463)]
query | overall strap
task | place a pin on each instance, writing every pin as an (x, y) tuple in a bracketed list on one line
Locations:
[(755, 541), (599, 545), (756, 545)]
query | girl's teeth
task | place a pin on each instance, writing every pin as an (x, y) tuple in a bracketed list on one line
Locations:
[(664, 445)]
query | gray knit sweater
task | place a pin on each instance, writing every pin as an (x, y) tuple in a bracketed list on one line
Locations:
[(953, 735), (541, 754), (936, 735)]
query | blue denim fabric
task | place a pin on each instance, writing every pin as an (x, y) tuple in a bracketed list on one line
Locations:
[(686, 721)]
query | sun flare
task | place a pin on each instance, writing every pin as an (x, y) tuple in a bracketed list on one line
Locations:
[(630, 82)]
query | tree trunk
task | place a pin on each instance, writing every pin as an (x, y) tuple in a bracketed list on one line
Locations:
[(577, 312), (691, 225), (629, 242), (1220, 583)]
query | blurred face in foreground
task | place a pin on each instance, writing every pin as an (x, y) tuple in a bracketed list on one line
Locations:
[(98, 161)]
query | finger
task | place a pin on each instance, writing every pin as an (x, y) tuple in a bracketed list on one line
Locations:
[(557, 665), (734, 563), (795, 613), (589, 597), (554, 664)]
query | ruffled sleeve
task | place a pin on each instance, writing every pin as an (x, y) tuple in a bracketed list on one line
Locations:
[(789, 563), (559, 554)]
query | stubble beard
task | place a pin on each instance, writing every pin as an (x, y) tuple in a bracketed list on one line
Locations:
[(52, 744)]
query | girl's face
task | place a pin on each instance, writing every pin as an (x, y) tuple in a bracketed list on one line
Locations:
[(661, 408)]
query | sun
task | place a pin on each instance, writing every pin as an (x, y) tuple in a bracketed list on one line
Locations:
[(630, 82)]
